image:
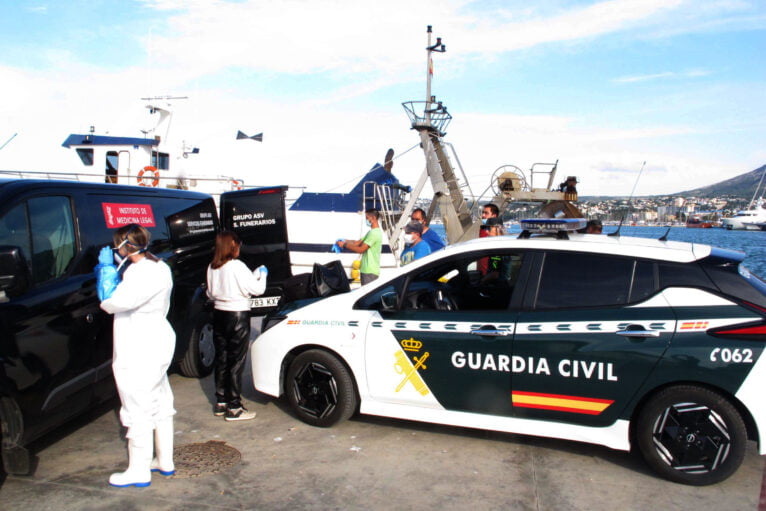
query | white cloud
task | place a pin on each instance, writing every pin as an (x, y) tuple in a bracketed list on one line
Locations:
[(694, 73), (369, 47), (38, 9)]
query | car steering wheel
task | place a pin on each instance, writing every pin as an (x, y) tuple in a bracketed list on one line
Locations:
[(443, 301)]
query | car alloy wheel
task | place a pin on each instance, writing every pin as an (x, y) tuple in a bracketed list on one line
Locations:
[(691, 435), (320, 388)]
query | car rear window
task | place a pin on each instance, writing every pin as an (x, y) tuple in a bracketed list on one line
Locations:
[(735, 280), (684, 275), (584, 280)]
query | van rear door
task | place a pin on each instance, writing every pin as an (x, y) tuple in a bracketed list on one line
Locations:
[(257, 215)]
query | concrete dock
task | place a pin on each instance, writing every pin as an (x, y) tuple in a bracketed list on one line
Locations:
[(277, 462)]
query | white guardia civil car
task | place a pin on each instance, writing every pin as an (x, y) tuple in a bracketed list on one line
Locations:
[(617, 341)]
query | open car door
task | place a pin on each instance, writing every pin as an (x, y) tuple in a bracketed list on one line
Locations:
[(257, 215)]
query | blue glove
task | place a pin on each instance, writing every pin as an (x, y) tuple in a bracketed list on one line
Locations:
[(106, 256), (263, 271), (335, 248), (107, 277)]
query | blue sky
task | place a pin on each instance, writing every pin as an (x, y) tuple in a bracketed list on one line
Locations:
[(601, 86)]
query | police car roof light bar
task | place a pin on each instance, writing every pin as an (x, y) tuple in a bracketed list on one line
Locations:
[(558, 226)]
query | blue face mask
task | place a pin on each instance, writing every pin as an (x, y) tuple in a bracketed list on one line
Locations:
[(483, 221), (369, 224)]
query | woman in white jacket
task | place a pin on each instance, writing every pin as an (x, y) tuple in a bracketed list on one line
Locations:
[(144, 343), (230, 284)]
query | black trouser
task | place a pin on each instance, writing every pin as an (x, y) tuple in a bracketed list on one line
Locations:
[(231, 334)]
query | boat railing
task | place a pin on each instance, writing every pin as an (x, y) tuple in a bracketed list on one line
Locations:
[(390, 200), (182, 183), (429, 115)]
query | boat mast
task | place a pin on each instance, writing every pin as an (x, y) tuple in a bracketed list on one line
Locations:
[(439, 48), (431, 123), (752, 201)]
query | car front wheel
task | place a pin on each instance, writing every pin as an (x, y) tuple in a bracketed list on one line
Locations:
[(691, 435), (320, 389), (199, 358)]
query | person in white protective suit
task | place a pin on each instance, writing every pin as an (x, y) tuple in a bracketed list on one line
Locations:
[(144, 343)]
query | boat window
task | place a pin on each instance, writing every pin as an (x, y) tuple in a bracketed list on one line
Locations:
[(112, 164), (575, 280), (86, 156), (160, 161), (53, 243)]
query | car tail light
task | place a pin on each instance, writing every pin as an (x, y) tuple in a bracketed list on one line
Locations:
[(754, 332), (750, 331)]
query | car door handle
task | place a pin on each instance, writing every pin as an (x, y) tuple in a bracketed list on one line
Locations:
[(491, 333), (638, 333)]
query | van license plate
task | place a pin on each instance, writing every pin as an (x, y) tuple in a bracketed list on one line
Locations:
[(264, 301)]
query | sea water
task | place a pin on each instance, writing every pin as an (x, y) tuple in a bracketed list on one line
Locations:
[(752, 243)]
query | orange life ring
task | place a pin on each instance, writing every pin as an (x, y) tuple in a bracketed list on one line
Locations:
[(155, 176), (236, 184)]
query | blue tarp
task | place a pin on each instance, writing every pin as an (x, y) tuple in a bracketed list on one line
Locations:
[(347, 202)]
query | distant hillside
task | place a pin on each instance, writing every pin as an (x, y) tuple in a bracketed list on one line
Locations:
[(742, 186)]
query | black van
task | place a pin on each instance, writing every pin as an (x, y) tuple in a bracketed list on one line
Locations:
[(55, 341)]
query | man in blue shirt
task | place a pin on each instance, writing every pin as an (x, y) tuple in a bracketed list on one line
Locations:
[(429, 236), (416, 247)]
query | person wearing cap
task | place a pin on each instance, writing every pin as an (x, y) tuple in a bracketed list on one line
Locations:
[(429, 236), (370, 247), (415, 246)]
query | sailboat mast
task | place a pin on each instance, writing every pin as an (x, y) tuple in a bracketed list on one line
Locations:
[(752, 201)]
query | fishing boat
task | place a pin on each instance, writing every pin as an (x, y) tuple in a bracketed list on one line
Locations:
[(154, 160), (454, 205), (698, 222), (315, 221)]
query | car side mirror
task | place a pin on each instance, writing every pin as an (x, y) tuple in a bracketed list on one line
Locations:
[(14, 273), (388, 300)]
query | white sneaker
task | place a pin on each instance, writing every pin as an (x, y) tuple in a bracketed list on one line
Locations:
[(239, 414)]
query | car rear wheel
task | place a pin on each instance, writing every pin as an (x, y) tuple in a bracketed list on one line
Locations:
[(320, 389), (691, 435), (199, 358)]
